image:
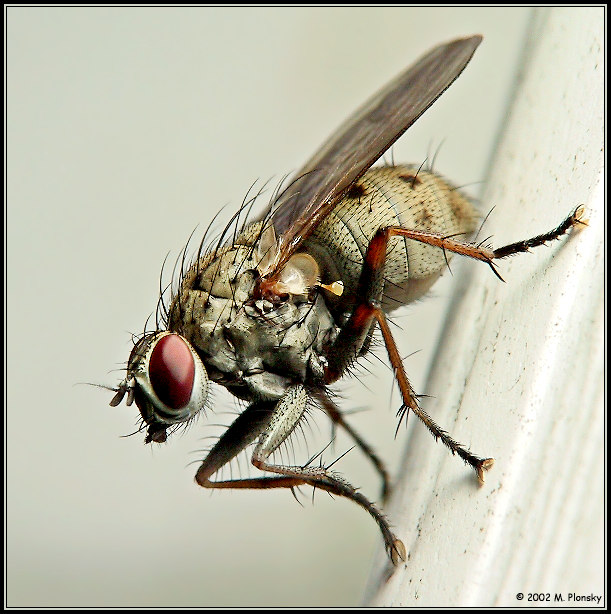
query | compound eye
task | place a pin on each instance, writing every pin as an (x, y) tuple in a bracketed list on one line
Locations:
[(171, 380), (172, 371)]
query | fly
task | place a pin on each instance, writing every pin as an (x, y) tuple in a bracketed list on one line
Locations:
[(285, 307)]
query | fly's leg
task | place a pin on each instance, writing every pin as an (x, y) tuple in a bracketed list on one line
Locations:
[(243, 431), (337, 417), (288, 412), (273, 423), (347, 346), (485, 254), (478, 463), (362, 316)]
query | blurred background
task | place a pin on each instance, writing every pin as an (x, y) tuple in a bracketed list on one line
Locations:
[(126, 129)]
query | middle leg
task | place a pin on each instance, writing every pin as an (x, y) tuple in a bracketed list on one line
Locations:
[(337, 418)]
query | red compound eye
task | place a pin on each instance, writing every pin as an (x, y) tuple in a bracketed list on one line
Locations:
[(172, 371)]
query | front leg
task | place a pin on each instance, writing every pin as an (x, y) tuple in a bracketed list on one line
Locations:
[(286, 416), (273, 424)]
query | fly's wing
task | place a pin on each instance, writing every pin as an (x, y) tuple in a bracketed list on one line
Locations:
[(359, 142)]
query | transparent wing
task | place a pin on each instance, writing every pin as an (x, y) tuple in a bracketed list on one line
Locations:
[(359, 142)]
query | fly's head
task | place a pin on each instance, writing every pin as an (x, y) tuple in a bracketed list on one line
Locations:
[(167, 380)]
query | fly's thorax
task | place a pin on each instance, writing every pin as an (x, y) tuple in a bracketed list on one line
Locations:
[(392, 196), (255, 348), (219, 282), (211, 295)]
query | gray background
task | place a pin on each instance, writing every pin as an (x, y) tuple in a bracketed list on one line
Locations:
[(127, 128)]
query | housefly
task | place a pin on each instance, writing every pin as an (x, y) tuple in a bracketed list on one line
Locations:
[(285, 305)]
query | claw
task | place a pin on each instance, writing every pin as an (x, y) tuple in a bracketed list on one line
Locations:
[(397, 552), (485, 466)]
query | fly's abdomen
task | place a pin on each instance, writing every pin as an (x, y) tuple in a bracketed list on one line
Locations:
[(392, 196)]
